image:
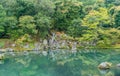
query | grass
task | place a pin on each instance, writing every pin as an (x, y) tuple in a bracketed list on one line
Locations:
[(2, 42)]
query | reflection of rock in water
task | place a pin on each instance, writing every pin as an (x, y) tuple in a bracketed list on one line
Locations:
[(117, 71), (104, 71), (1, 61), (118, 65)]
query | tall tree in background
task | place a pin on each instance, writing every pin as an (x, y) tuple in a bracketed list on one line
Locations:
[(65, 12), (2, 20), (115, 16), (42, 25)]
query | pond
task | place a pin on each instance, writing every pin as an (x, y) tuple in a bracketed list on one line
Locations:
[(60, 63)]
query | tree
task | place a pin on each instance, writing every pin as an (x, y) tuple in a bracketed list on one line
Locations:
[(19, 7), (2, 20), (95, 20), (76, 29), (117, 19), (115, 16), (27, 25), (65, 12), (10, 25), (46, 7), (42, 25)]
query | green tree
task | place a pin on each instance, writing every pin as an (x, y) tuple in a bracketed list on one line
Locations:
[(10, 25), (43, 25), (76, 29), (65, 12), (27, 25), (46, 7), (117, 19), (19, 7), (115, 16), (2, 20), (95, 20)]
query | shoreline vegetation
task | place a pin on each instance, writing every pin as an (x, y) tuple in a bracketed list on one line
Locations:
[(57, 41), (59, 24)]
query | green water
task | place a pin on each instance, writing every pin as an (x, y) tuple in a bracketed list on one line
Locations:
[(60, 63)]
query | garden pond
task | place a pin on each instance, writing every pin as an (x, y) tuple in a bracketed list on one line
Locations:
[(60, 63)]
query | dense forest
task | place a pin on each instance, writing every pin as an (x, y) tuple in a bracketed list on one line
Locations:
[(93, 21)]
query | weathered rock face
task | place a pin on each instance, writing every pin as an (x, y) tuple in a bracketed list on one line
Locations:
[(105, 65)]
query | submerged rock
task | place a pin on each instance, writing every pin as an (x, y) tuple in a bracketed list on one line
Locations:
[(105, 65)]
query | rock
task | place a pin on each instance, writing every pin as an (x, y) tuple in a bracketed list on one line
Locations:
[(9, 49), (74, 46), (26, 46), (36, 46), (2, 50), (44, 53), (105, 65), (13, 45), (45, 42), (118, 65)]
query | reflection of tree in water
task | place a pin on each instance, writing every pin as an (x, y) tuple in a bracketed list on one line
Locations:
[(63, 64), (117, 71), (72, 68), (78, 65)]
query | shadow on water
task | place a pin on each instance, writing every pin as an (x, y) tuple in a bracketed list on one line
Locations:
[(60, 63)]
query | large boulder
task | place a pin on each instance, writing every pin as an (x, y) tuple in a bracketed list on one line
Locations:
[(104, 65)]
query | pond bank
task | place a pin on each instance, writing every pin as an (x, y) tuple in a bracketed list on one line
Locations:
[(56, 41), (40, 45)]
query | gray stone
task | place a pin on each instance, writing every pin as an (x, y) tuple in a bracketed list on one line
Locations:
[(45, 42), (44, 53), (9, 49), (118, 65), (104, 65), (37, 46), (74, 46), (2, 50), (13, 45)]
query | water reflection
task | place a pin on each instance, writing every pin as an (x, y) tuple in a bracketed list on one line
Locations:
[(117, 71), (60, 63), (104, 71)]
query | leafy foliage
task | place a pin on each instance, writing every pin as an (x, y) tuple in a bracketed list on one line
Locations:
[(90, 21)]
